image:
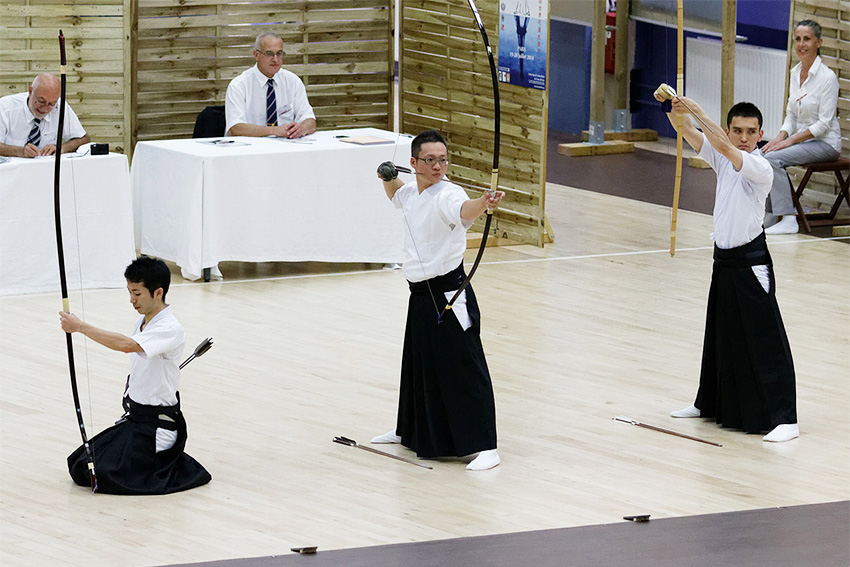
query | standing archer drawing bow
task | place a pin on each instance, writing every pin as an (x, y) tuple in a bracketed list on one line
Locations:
[(494, 176), (62, 278)]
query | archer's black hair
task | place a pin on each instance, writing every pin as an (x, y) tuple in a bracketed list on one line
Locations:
[(424, 138), (744, 110), (151, 272)]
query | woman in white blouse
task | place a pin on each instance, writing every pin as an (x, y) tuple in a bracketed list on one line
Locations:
[(810, 132)]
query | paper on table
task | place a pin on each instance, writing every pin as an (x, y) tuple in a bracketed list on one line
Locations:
[(64, 156), (364, 140), (301, 140)]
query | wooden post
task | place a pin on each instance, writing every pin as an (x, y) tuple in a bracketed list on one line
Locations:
[(597, 64), (789, 59), (727, 64), (402, 127), (391, 31), (621, 55), (131, 75)]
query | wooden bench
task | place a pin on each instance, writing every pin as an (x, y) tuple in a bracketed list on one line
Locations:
[(820, 218)]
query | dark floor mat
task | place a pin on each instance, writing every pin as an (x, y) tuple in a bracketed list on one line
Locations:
[(815, 535)]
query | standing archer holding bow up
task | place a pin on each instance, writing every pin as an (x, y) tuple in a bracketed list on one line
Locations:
[(747, 378), (446, 406), (143, 452)]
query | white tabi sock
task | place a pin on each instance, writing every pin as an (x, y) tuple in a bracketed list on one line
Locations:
[(690, 411), (485, 460), (788, 225), (388, 437), (784, 432)]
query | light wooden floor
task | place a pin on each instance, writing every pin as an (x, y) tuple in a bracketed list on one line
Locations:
[(600, 323)]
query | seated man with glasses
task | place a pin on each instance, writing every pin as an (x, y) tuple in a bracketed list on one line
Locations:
[(267, 100), (29, 121)]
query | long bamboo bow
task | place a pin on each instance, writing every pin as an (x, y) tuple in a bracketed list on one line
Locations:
[(62, 279), (494, 176), (680, 88)]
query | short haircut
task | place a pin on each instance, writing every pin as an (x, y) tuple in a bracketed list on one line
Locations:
[(263, 36), (812, 24), (744, 110), (151, 272), (428, 136)]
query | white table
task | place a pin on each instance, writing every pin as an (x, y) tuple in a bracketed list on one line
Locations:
[(267, 199), (97, 223)]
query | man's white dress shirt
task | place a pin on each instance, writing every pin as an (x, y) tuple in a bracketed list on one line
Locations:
[(16, 121), (245, 102)]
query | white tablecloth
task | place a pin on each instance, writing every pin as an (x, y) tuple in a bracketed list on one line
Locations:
[(97, 223), (266, 199)]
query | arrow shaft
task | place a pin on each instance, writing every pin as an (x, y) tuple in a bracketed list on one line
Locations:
[(390, 455), (187, 361), (677, 434), (630, 421)]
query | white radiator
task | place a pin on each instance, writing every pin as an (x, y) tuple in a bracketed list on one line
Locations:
[(759, 78)]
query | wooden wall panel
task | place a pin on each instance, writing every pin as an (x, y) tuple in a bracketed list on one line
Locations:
[(834, 18), (187, 54), (95, 38), (446, 84)]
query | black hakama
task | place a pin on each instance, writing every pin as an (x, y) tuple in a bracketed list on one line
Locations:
[(125, 457), (747, 378), (446, 406)]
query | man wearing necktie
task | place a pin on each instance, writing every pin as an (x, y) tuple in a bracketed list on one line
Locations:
[(29, 121), (267, 100)]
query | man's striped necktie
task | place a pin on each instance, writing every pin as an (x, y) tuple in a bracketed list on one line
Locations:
[(271, 106), (35, 134)]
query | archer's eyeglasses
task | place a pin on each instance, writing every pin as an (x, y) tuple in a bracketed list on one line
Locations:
[(429, 161)]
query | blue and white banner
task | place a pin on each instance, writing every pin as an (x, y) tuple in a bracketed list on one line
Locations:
[(523, 42)]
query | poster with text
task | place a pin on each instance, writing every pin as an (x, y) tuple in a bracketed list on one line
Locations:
[(523, 26)]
